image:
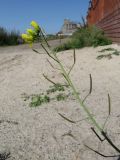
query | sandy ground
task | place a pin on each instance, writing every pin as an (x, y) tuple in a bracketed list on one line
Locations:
[(40, 133)]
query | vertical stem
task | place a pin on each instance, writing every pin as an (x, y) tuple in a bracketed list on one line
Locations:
[(77, 96), (81, 102), (85, 108)]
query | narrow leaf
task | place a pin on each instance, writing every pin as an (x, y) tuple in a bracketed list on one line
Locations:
[(97, 134), (74, 56), (52, 65), (109, 104), (90, 91), (69, 120), (90, 84), (106, 156), (74, 61), (109, 111), (48, 53), (49, 79), (36, 51)]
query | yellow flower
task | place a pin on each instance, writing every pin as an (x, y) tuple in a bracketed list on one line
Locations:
[(31, 32), (27, 38), (35, 25)]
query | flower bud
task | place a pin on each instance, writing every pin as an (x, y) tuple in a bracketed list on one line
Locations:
[(35, 25), (27, 38), (31, 32)]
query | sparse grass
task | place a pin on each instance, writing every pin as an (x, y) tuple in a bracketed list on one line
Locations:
[(109, 55), (38, 100), (56, 87), (86, 36), (55, 92), (61, 97), (117, 53), (107, 49)]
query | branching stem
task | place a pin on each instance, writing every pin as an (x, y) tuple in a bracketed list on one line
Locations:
[(53, 56)]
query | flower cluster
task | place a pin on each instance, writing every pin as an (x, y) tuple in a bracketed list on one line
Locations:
[(31, 34)]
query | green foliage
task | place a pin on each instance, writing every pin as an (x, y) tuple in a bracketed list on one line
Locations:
[(107, 49), (86, 36), (9, 38), (109, 55), (117, 53), (91, 36), (56, 87), (38, 100), (101, 41), (61, 97)]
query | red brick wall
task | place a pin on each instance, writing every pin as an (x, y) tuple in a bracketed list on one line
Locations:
[(95, 11), (111, 25), (110, 6), (106, 15)]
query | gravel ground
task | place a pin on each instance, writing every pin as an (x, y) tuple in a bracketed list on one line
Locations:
[(41, 133)]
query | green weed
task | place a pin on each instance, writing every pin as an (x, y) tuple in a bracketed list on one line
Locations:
[(56, 87), (117, 53), (107, 49), (109, 56), (61, 97), (38, 100), (85, 36)]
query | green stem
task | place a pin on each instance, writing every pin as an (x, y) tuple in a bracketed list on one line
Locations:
[(77, 96), (84, 106), (93, 120), (54, 57)]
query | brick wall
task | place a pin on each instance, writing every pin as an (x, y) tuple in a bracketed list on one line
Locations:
[(106, 15), (95, 11)]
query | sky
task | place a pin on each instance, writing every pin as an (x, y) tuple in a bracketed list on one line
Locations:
[(50, 14)]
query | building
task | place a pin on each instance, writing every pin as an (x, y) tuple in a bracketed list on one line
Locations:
[(68, 28), (106, 15)]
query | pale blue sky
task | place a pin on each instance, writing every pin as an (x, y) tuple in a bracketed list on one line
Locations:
[(17, 14)]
